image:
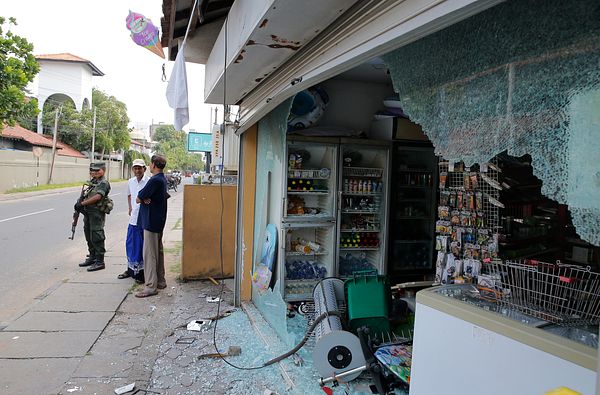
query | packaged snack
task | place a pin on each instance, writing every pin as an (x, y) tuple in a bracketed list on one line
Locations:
[(465, 218), (443, 227), (444, 198), (470, 197), (459, 200), (469, 236), (443, 212), (443, 177), (458, 263), (452, 199), (455, 248), (478, 200), (483, 236), (466, 181), (449, 270), (474, 180), (441, 243), (440, 265), (455, 217), (471, 268), (480, 223)]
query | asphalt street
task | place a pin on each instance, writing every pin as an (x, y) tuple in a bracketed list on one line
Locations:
[(36, 254)]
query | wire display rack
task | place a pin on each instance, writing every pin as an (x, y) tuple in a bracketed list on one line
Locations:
[(564, 294), (468, 218)]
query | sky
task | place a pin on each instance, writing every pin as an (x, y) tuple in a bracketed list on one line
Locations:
[(96, 31)]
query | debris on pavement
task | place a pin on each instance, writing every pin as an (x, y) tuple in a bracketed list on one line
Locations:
[(213, 299), (221, 315), (232, 351), (214, 281), (125, 389), (185, 340), (198, 325)]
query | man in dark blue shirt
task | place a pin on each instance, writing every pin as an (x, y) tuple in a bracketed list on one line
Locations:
[(152, 218)]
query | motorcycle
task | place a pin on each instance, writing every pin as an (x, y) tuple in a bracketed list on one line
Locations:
[(172, 183)]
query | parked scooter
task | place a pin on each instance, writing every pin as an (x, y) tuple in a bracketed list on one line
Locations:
[(171, 183)]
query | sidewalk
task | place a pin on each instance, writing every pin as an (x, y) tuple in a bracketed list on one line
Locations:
[(90, 335)]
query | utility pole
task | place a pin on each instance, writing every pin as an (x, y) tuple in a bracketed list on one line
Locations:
[(54, 140), (93, 137)]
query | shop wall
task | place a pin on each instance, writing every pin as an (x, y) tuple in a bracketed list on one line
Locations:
[(268, 205), (353, 103), (519, 77)]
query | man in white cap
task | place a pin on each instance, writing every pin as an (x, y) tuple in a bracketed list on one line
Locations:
[(134, 244)]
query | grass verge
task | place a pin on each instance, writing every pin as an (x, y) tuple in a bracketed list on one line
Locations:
[(52, 186), (45, 187)]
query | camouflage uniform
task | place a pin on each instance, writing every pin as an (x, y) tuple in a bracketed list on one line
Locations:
[(93, 220)]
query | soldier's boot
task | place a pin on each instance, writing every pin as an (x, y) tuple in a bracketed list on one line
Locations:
[(89, 260), (98, 265)]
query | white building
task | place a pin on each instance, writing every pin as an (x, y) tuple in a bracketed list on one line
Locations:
[(63, 77), (140, 143)]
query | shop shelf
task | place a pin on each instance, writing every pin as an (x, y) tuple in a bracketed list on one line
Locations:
[(361, 194), (296, 253), (360, 230), (362, 172), (317, 174), (359, 248), (307, 193)]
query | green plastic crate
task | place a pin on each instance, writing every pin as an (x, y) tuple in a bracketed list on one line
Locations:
[(368, 298)]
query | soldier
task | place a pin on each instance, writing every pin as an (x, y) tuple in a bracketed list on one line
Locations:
[(93, 217)]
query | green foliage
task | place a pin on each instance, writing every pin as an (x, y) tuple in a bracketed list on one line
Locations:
[(18, 67), (76, 128), (173, 144), (131, 155)]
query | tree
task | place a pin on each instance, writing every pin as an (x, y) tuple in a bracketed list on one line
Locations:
[(131, 155), (172, 144), (18, 67)]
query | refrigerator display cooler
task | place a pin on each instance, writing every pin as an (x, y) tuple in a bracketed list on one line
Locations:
[(335, 210), (413, 196), (308, 257), (311, 182), (362, 217)]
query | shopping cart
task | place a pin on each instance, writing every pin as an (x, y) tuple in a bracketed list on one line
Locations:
[(564, 294)]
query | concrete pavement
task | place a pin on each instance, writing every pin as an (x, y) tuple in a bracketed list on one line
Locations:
[(90, 335)]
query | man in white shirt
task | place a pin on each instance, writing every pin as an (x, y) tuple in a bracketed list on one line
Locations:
[(134, 244)]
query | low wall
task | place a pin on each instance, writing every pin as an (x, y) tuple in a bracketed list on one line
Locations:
[(20, 169)]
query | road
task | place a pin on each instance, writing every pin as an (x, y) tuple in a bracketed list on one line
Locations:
[(35, 252)]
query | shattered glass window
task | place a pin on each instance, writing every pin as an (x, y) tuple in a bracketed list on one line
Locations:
[(270, 152), (522, 77)]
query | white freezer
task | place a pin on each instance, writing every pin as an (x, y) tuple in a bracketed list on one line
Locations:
[(462, 349)]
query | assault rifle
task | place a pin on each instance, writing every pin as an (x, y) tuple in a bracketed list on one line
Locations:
[(77, 212)]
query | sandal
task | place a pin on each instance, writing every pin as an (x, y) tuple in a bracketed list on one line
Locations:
[(123, 275)]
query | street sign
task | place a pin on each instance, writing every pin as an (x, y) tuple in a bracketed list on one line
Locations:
[(199, 142)]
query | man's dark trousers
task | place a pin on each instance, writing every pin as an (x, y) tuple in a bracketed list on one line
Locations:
[(93, 227)]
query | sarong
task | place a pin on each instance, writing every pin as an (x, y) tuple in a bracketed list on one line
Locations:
[(134, 246)]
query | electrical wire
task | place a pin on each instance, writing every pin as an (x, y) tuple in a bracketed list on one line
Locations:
[(221, 166), (222, 289)]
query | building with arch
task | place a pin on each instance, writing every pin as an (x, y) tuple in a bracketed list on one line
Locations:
[(64, 77)]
